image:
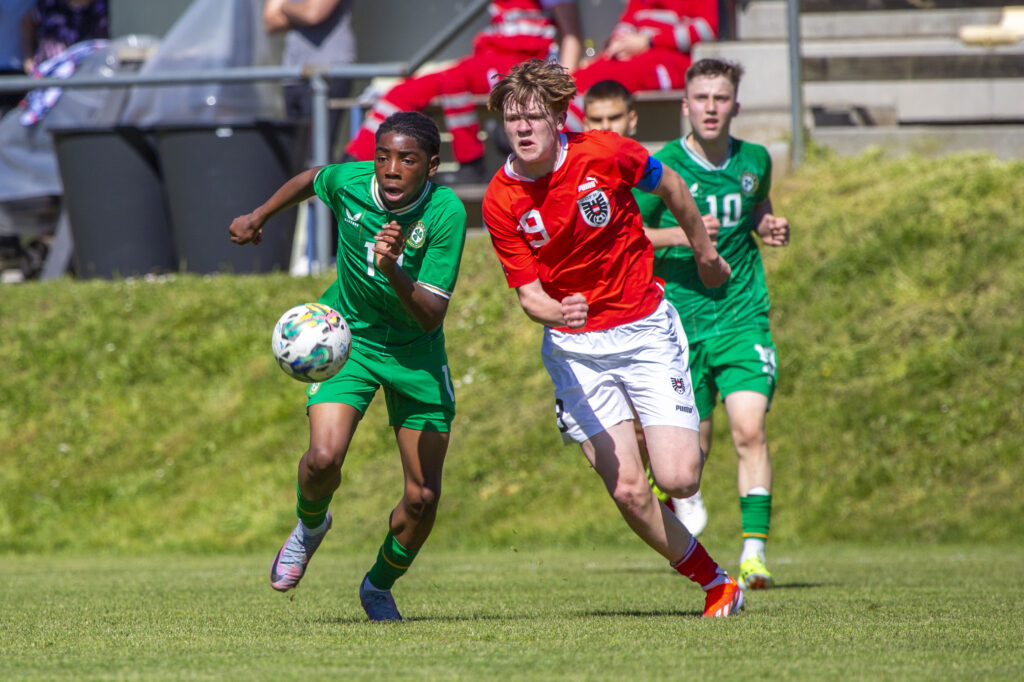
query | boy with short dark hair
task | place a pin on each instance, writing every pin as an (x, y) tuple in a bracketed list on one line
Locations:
[(400, 241)]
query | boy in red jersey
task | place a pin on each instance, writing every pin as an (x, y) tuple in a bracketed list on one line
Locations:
[(570, 239)]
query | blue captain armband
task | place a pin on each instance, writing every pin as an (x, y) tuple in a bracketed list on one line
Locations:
[(651, 178)]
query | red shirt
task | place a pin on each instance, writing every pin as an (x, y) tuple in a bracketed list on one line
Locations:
[(578, 229), (519, 26), (672, 24)]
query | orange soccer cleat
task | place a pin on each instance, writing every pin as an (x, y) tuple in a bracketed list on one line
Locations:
[(723, 600)]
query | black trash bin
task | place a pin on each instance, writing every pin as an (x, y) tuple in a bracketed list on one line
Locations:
[(215, 172), (114, 197)]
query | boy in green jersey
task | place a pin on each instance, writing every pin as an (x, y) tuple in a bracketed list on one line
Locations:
[(400, 241), (731, 348)]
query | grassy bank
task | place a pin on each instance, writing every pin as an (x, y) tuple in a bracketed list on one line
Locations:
[(148, 416)]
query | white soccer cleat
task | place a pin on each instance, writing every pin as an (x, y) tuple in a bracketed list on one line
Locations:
[(691, 512)]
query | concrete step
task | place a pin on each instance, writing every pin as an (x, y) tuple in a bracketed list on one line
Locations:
[(933, 46), (935, 101), (1003, 141), (819, 6), (919, 84), (767, 20)]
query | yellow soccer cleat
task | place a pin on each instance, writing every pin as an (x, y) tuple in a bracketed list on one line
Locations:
[(754, 575)]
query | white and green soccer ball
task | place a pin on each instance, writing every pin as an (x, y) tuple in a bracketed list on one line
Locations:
[(311, 342)]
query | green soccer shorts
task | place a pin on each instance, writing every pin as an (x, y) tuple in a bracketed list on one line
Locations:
[(740, 361), (417, 385)]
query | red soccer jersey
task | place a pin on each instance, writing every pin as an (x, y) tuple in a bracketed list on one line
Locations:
[(578, 229)]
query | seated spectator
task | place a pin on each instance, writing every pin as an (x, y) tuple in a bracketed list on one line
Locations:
[(51, 26), (518, 30), (316, 32), (649, 48)]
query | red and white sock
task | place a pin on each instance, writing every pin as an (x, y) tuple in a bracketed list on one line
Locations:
[(698, 566)]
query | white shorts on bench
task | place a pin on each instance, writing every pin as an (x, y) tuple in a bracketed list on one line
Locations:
[(601, 377)]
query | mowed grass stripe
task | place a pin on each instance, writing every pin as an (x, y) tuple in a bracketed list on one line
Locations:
[(840, 612)]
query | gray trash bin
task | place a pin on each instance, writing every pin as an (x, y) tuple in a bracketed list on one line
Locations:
[(215, 172), (114, 196)]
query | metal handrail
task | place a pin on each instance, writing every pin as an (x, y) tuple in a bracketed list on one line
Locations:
[(316, 74), (237, 74)]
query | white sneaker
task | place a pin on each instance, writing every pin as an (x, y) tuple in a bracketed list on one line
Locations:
[(691, 512)]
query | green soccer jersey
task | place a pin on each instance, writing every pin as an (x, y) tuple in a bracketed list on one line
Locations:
[(435, 232), (730, 192)]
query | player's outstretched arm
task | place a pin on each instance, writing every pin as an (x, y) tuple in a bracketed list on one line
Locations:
[(570, 312), (426, 307), (248, 228), (713, 269)]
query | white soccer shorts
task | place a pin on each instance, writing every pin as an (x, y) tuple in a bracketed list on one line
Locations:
[(601, 376)]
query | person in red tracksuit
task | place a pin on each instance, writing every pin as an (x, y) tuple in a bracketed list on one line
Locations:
[(518, 30), (649, 48)]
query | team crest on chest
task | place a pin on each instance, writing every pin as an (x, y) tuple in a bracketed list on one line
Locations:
[(748, 182), (417, 235), (595, 208)]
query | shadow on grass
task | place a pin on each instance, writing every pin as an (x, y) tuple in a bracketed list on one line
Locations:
[(356, 620), (651, 613)]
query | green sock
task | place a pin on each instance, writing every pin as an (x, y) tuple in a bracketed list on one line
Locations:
[(393, 561), (312, 513), (756, 514)]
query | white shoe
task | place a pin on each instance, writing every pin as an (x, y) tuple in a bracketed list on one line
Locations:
[(691, 512)]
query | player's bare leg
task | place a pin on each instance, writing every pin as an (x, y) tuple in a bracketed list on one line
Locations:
[(746, 411), (423, 454), (331, 426), (615, 456), (688, 506), (411, 521)]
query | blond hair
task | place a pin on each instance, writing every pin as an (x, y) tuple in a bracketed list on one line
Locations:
[(546, 83)]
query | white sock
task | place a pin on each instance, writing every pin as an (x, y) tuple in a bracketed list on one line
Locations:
[(759, 490), (752, 547), (313, 532)]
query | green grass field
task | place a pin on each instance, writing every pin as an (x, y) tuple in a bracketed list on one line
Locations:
[(839, 612), (148, 446)]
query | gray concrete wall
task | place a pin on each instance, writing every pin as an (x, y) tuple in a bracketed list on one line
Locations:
[(147, 17)]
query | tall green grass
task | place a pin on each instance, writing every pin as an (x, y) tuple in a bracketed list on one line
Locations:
[(148, 416)]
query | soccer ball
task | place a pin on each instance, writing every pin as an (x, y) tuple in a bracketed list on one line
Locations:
[(311, 342)]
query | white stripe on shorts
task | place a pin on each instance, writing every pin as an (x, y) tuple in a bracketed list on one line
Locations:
[(601, 377)]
